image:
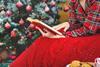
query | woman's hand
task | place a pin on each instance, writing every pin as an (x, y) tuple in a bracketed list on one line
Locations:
[(49, 34), (66, 27)]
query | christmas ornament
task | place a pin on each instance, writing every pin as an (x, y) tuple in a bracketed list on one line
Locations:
[(7, 48), (46, 9), (12, 57), (7, 25), (28, 8), (1, 43), (19, 4), (13, 33), (2, 13), (8, 13), (32, 26), (30, 35), (22, 40), (11, 47), (52, 3), (21, 22)]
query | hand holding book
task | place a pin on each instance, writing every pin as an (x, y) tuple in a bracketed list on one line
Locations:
[(46, 30), (49, 34)]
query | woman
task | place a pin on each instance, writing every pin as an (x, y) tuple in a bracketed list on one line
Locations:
[(57, 50)]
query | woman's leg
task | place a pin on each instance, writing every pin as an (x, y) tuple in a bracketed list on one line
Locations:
[(62, 25)]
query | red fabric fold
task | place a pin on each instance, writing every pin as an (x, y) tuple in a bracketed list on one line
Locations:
[(46, 52)]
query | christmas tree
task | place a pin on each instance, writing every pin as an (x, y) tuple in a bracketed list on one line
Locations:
[(15, 31)]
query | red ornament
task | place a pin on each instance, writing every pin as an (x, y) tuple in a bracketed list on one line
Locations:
[(21, 22), (66, 8), (30, 35), (46, 9), (28, 8), (52, 3), (7, 25), (8, 13), (19, 4), (13, 33), (31, 26), (12, 57)]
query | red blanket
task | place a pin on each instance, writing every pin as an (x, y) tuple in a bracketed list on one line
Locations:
[(46, 52)]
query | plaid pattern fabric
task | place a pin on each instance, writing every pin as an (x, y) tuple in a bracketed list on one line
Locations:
[(84, 22)]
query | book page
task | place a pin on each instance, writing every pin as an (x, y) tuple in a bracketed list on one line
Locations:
[(40, 24)]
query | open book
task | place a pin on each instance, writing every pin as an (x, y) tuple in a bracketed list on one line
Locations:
[(43, 25)]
